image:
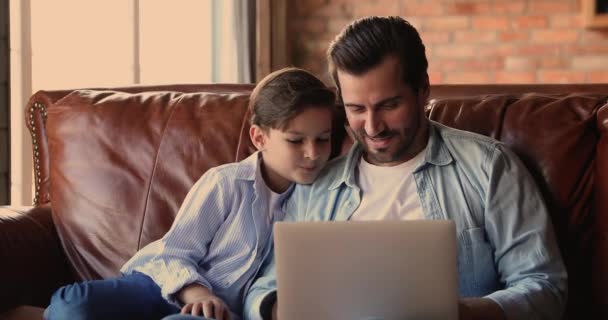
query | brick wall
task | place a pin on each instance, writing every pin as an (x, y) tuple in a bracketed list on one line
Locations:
[(468, 41)]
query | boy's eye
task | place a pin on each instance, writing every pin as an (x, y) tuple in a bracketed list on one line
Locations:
[(294, 141)]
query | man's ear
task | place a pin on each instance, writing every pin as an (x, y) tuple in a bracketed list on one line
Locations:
[(257, 136), (424, 92)]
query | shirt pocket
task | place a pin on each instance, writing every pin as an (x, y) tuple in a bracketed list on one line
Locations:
[(476, 267)]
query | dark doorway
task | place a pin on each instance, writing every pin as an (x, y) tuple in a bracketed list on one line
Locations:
[(5, 149)]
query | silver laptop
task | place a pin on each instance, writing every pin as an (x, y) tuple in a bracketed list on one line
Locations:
[(379, 270)]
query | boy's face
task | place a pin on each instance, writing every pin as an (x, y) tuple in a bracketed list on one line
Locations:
[(297, 153)]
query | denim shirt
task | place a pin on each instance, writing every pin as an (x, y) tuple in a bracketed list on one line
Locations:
[(507, 249)]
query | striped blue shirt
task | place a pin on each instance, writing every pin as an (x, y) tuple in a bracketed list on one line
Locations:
[(219, 238)]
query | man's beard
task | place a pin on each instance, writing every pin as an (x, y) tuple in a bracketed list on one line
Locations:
[(403, 144)]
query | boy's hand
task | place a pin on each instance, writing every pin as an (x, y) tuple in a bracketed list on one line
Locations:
[(200, 301), (208, 307)]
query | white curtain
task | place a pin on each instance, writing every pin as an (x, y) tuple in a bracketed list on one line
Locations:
[(233, 24)]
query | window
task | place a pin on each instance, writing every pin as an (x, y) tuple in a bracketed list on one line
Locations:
[(67, 44)]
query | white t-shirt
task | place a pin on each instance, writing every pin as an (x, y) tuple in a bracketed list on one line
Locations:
[(389, 193)]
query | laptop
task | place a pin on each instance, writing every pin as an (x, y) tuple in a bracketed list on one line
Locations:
[(366, 270)]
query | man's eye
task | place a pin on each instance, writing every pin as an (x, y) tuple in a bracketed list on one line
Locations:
[(390, 106), (355, 109)]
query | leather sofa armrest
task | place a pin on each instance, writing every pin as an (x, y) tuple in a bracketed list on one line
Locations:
[(33, 263)]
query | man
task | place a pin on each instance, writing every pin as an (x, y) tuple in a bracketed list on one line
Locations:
[(404, 166)]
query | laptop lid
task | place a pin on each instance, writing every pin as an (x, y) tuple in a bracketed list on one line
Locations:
[(366, 270)]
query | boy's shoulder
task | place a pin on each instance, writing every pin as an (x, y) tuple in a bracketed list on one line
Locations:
[(243, 170)]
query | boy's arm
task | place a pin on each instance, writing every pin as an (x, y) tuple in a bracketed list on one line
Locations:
[(175, 265)]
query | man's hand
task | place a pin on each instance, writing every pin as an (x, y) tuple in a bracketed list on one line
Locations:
[(200, 301), (479, 308)]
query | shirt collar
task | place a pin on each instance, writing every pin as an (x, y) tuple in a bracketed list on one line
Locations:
[(249, 166), (436, 153)]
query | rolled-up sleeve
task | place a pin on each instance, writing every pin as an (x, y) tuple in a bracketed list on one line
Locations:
[(525, 248), (173, 261), (261, 289)]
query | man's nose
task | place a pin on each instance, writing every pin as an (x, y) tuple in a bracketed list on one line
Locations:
[(373, 124)]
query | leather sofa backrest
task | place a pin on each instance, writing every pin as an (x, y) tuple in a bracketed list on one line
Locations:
[(116, 164)]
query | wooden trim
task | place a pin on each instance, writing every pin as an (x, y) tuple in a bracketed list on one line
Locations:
[(591, 19), (271, 36)]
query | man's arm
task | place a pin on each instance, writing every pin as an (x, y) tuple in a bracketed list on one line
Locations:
[(526, 254), (261, 296), (260, 300), (479, 308)]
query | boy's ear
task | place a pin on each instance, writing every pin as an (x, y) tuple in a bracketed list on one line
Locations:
[(258, 137)]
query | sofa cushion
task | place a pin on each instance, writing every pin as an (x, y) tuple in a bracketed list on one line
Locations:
[(122, 163), (555, 135)]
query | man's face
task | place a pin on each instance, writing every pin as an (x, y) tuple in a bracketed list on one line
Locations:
[(384, 114)]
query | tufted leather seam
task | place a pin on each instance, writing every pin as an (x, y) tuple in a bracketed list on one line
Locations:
[(156, 156)]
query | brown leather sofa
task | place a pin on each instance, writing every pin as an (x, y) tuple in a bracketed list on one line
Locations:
[(112, 167)]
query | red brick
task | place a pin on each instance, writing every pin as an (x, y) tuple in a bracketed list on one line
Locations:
[(305, 8), (597, 77), (415, 21), (497, 50), (310, 26), (435, 77), (336, 25), (587, 49), (590, 63), (474, 36), (594, 36), (375, 8), (446, 23), (430, 37), (554, 63), (550, 7), (565, 21), (468, 8), (509, 7), (537, 50), (564, 36), (514, 36), (454, 51), (527, 22), (424, 8), (520, 63), (516, 77), (322, 8), (564, 76), (490, 23), (468, 77), (466, 64)]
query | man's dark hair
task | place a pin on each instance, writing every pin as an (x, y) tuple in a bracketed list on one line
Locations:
[(364, 43), (285, 93)]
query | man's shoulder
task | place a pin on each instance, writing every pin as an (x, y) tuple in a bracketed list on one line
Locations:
[(457, 136), (461, 142), (466, 146)]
